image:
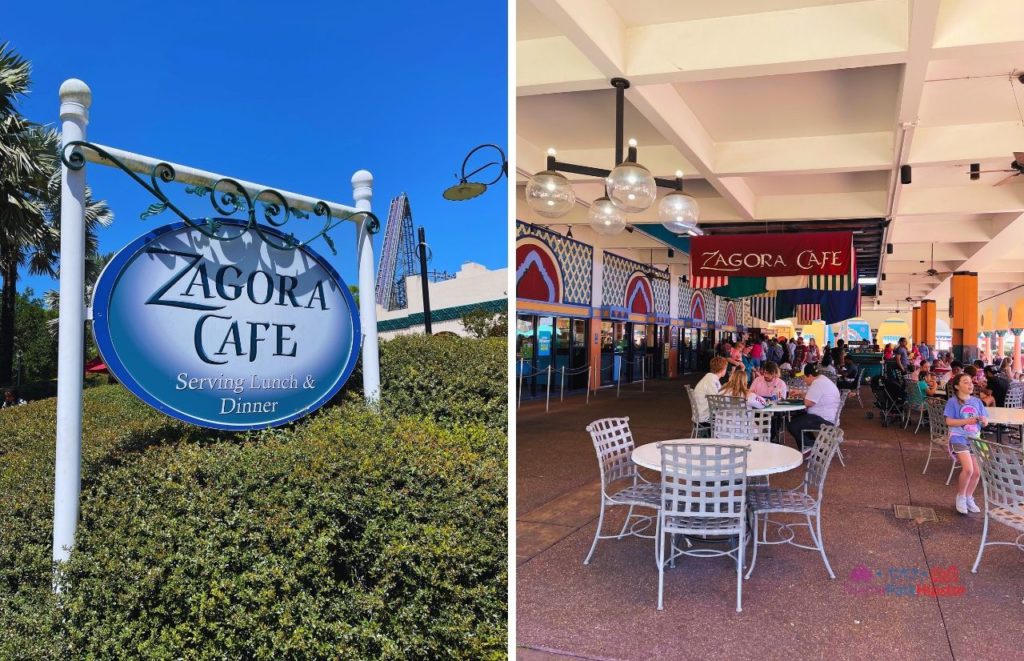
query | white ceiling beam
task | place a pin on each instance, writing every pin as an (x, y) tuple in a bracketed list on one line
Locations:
[(834, 36), (973, 22), (851, 152), (967, 143), (946, 249), (959, 228), (831, 36), (1005, 241), (869, 204), (598, 32), (554, 64), (661, 160), (669, 114), (594, 28), (962, 199), (922, 17)]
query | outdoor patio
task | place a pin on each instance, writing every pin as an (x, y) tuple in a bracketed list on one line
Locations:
[(607, 610)]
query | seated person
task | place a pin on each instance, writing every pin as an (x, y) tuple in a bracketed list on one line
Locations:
[(980, 386), (711, 384), (768, 384), (826, 365), (925, 381), (998, 385), (848, 375), (822, 401), (737, 387)]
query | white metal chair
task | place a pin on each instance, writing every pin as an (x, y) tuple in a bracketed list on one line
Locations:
[(722, 402), (1015, 396), (805, 499), (1002, 473), (938, 434), (698, 429), (835, 423), (703, 492), (743, 424), (855, 390), (614, 445)]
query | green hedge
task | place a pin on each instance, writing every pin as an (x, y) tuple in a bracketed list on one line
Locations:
[(450, 379), (350, 534)]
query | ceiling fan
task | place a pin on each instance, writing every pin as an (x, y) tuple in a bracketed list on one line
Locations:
[(931, 272), (1016, 169)]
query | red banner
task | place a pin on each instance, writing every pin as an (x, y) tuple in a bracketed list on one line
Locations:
[(771, 255)]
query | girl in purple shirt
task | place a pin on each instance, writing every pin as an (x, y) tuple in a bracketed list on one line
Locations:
[(966, 415)]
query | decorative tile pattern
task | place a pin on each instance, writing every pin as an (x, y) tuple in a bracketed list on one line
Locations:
[(662, 293), (617, 271), (575, 259), (685, 293)]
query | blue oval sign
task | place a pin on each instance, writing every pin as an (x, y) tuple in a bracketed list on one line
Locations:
[(226, 334)]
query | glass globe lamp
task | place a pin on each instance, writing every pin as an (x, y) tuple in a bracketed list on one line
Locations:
[(631, 187), (605, 217), (550, 194), (678, 212)]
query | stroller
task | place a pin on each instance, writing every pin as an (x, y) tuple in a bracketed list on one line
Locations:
[(890, 393)]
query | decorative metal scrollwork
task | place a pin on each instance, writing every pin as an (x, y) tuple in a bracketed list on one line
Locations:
[(228, 197)]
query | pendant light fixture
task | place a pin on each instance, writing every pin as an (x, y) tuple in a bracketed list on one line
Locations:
[(678, 211), (629, 187)]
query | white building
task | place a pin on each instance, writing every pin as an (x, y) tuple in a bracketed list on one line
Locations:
[(474, 286)]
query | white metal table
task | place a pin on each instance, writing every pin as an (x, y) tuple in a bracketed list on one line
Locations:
[(784, 408), (764, 458), (1001, 415)]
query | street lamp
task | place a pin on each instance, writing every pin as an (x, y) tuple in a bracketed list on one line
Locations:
[(466, 189)]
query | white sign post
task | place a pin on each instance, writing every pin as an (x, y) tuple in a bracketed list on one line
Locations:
[(76, 98)]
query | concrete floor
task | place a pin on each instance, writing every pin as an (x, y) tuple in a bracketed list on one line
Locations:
[(791, 609)]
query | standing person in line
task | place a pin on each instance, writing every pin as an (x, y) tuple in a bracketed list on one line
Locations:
[(756, 353), (965, 415), (791, 345), (902, 355), (822, 401), (799, 354), (710, 384), (813, 351), (888, 354), (839, 353)]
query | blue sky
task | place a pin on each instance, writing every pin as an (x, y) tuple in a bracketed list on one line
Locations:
[(297, 96)]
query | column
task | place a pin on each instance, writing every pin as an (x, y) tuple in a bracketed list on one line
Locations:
[(673, 330), (75, 99), (1001, 346), (362, 193), (963, 315), (915, 325), (928, 323), (1016, 348), (596, 301)]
